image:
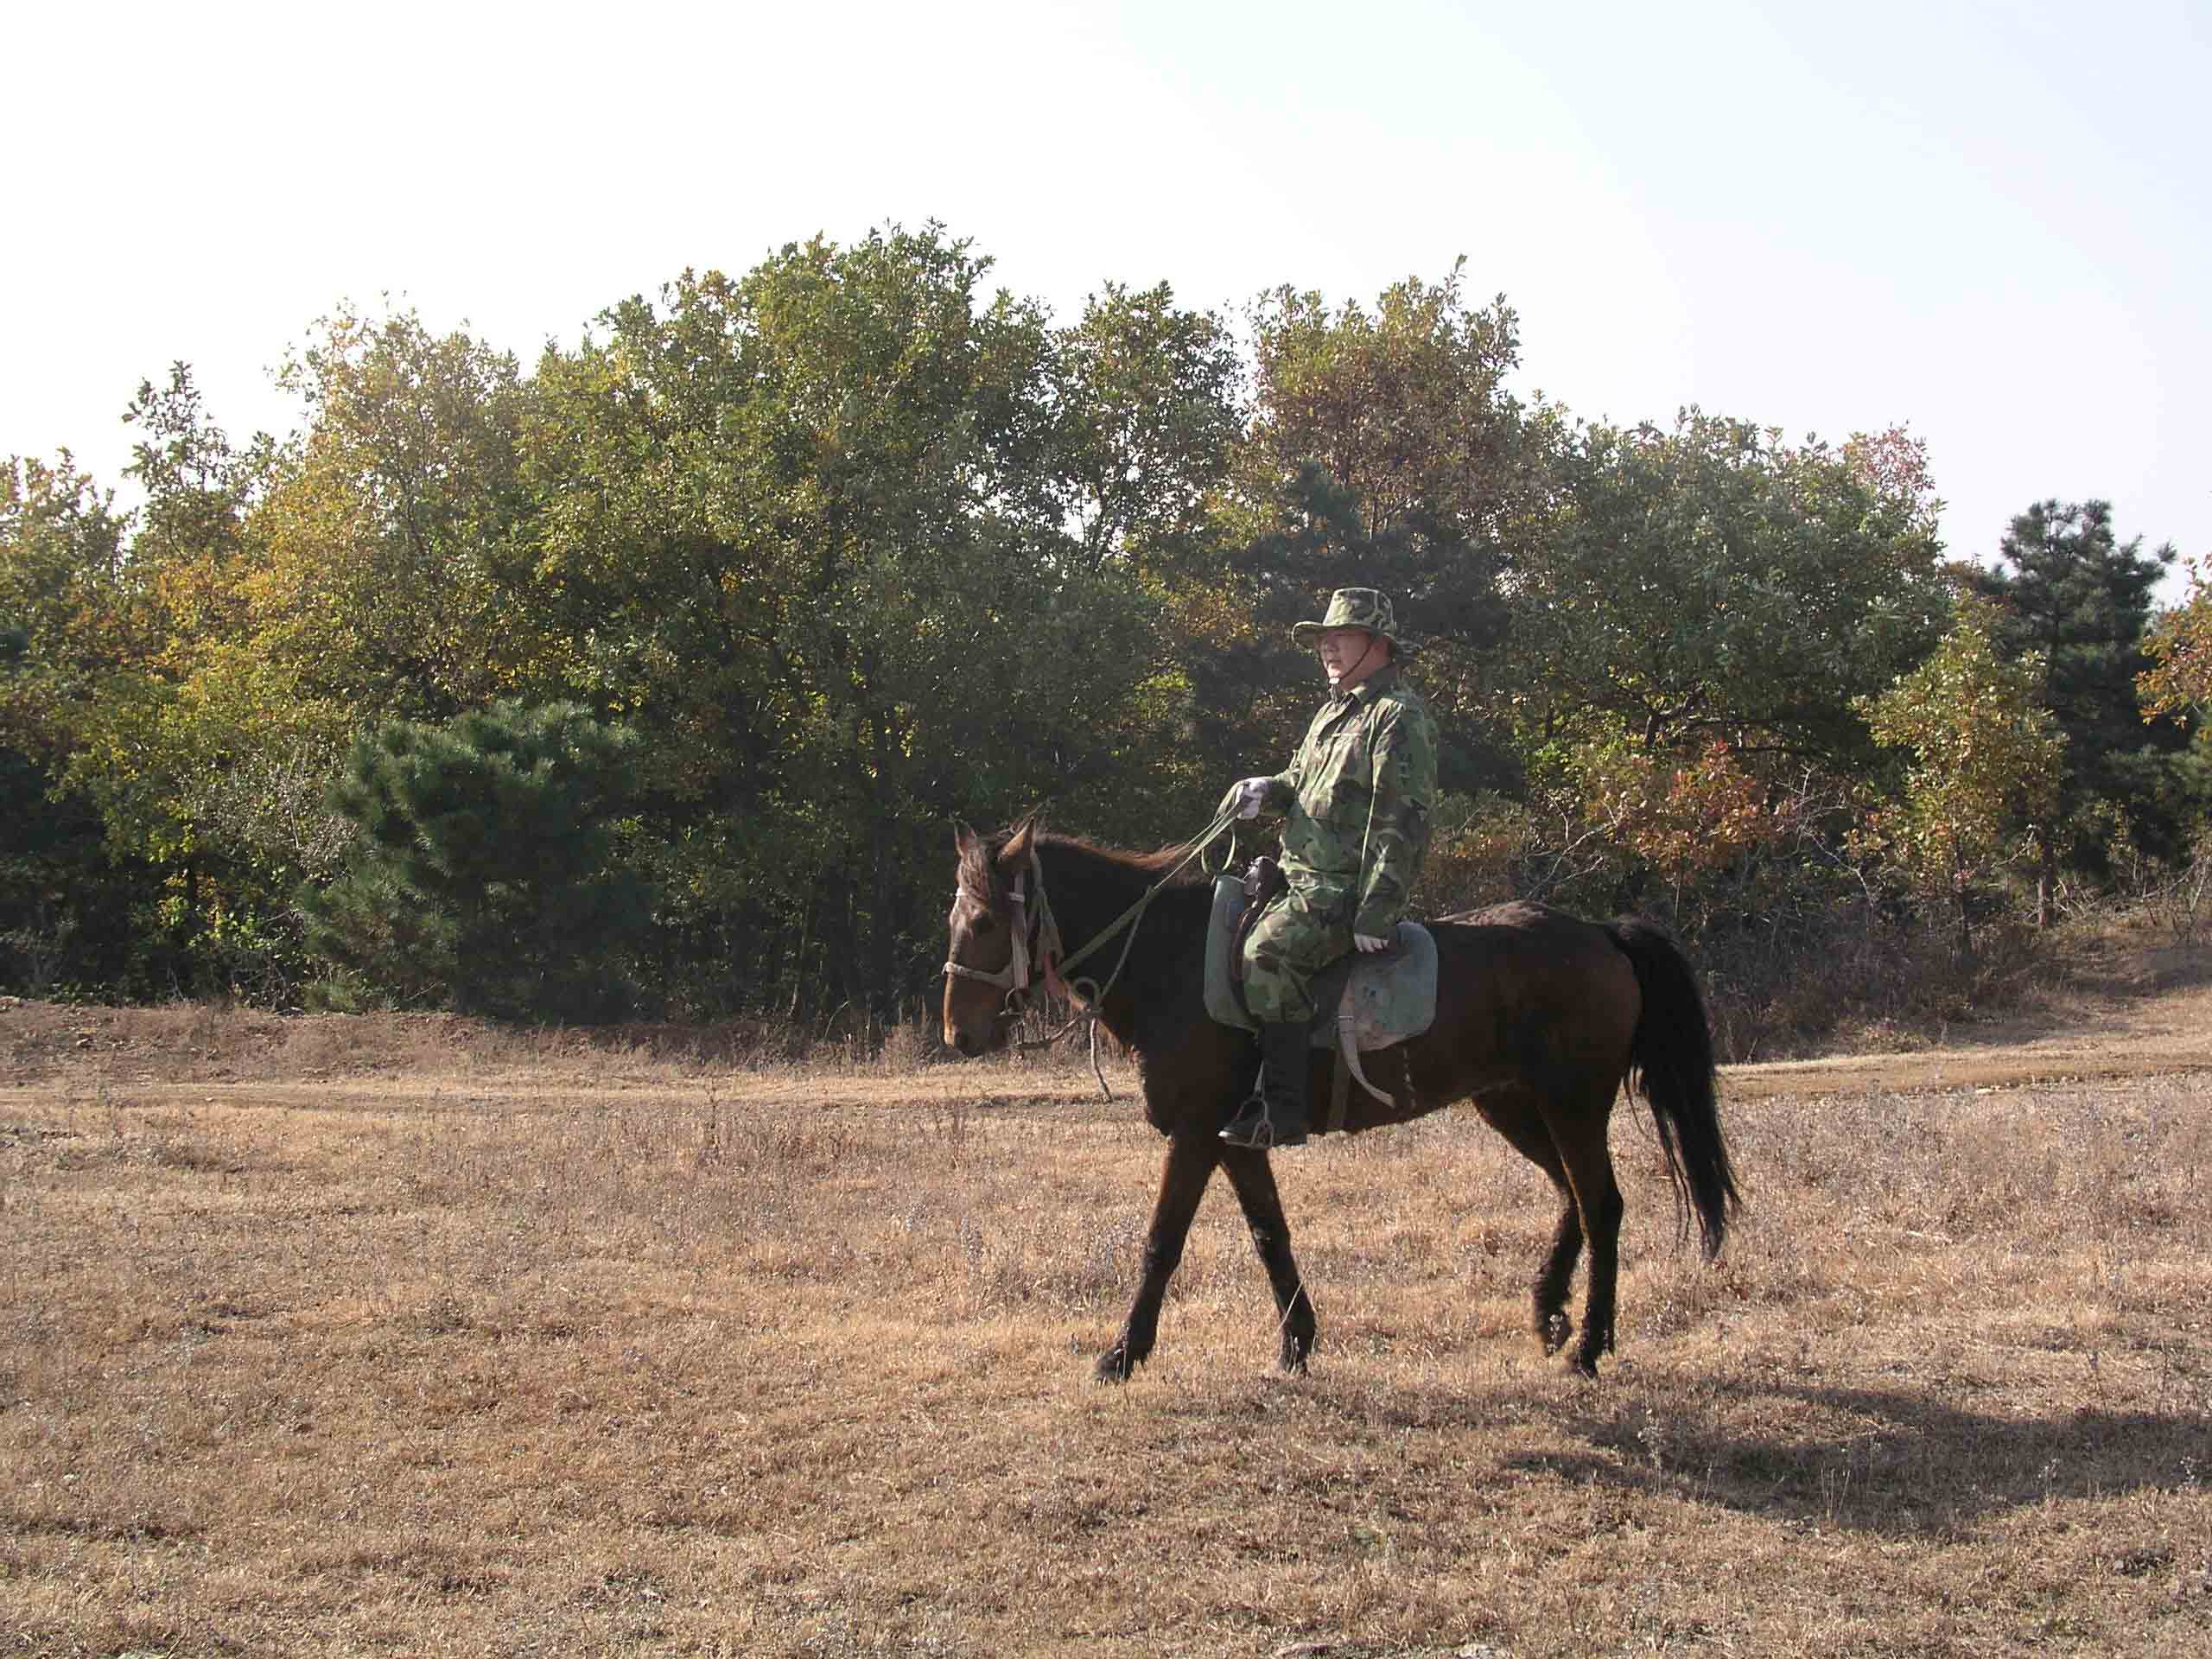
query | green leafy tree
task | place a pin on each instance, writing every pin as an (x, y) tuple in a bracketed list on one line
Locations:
[(69, 910), (2178, 686), (174, 741), (178, 594), (485, 877), (1383, 450), (820, 532), (1692, 611), (1983, 785), (2073, 597), (1710, 582), (1148, 399), (386, 568), (66, 908), (1149, 406), (1404, 406), (62, 599), (189, 542), (282, 596), (2179, 644)]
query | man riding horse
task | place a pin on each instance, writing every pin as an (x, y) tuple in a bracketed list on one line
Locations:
[(1355, 801)]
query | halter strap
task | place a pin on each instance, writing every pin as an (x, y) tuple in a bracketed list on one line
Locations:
[(1018, 974)]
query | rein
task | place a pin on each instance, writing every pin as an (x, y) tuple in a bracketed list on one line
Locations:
[(1129, 917)]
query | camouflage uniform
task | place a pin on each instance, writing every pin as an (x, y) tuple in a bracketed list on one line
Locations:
[(1358, 797)]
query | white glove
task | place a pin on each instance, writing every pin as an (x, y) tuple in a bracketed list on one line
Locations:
[(1251, 796), (1369, 942)]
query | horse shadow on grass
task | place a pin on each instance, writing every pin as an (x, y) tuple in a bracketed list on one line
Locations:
[(1896, 1462), (1892, 1462)]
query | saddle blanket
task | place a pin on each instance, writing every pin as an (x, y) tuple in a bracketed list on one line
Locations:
[(1389, 994)]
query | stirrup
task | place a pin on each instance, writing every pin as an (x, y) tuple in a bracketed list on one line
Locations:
[(1254, 1128)]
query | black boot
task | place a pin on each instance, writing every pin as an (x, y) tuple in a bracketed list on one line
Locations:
[(1273, 1116)]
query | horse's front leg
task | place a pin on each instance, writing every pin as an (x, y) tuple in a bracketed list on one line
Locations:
[(1190, 1161), (1254, 1179)]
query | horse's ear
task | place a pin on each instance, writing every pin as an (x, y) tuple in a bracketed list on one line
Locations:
[(1016, 851), (963, 839)]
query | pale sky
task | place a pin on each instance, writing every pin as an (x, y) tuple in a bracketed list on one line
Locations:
[(1989, 221)]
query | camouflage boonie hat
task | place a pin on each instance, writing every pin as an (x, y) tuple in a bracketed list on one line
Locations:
[(1356, 607)]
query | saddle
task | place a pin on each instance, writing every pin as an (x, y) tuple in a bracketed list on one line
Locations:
[(1362, 1003)]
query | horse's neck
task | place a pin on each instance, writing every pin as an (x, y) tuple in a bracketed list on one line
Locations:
[(1088, 893), (1141, 973)]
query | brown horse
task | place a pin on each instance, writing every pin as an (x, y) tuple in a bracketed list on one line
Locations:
[(1541, 1019)]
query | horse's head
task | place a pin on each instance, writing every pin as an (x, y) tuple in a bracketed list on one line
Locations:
[(991, 952)]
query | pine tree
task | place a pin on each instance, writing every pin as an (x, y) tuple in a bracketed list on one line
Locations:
[(483, 878), (2070, 591)]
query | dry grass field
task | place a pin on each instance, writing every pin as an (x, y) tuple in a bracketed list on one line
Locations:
[(401, 1337)]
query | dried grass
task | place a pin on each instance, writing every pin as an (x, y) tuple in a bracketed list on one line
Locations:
[(478, 1347)]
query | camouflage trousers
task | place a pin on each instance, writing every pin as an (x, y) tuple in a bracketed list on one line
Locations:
[(1301, 932)]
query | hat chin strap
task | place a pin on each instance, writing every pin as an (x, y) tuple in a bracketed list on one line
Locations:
[(1344, 673)]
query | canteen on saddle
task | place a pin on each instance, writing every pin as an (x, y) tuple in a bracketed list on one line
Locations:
[(1360, 1002)]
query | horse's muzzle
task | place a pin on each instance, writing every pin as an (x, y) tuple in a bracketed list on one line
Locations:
[(973, 1038), (975, 1032)]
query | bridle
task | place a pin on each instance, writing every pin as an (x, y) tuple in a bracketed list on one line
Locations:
[(1038, 951), (1036, 944)]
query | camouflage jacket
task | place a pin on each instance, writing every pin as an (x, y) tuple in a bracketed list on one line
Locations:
[(1358, 797)]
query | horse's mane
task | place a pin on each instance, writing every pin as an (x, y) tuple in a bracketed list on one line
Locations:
[(1159, 862), (978, 863)]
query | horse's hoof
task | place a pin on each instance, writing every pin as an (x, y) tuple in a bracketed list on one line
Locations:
[(1585, 1363), (1291, 1363), (1114, 1366), (1552, 1331)]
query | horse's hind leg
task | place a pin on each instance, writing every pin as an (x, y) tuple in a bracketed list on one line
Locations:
[(1190, 1161), (1553, 1326), (1581, 1139), (1251, 1173), (1519, 1123)]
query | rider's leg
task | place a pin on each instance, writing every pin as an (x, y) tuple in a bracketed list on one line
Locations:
[(1292, 941)]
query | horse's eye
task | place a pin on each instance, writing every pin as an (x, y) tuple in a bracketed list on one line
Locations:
[(983, 924)]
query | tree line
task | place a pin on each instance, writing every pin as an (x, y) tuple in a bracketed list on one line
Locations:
[(649, 680)]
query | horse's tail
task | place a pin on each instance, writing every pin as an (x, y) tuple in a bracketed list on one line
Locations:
[(1671, 1058)]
